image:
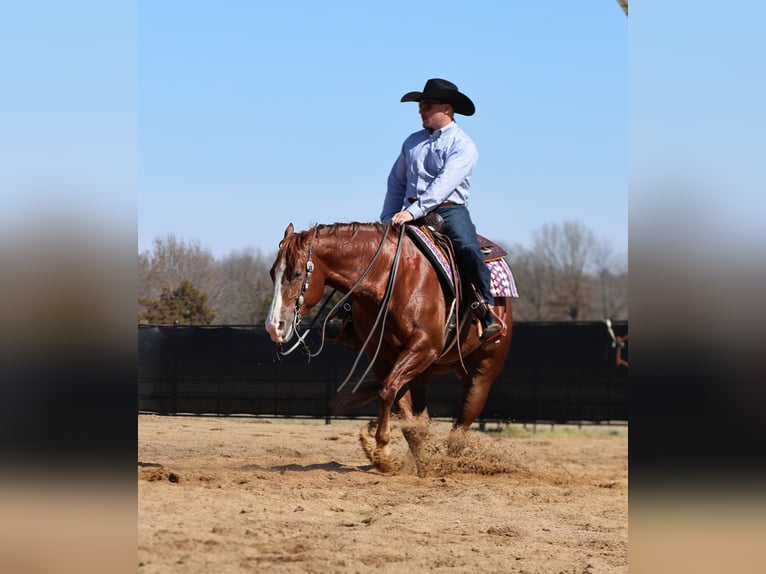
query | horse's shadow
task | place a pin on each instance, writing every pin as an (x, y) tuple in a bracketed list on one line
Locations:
[(332, 466)]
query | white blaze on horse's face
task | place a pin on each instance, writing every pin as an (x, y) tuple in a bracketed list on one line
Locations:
[(279, 321)]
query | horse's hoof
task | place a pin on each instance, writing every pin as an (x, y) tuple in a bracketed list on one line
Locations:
[(420, 466), (367, 440), (382, 459), (383, 463), (456, 443)]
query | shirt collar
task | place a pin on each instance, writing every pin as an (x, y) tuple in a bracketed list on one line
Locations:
[(439, 132)]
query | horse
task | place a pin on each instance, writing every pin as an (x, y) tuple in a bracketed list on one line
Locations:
[(409, 347)]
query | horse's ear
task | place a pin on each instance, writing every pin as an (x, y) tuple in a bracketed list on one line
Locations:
[(315, 233), (289, 231)]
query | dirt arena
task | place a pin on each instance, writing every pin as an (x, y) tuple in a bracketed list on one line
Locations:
[(256, 495)]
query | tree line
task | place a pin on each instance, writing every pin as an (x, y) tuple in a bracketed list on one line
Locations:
[(567, 274)]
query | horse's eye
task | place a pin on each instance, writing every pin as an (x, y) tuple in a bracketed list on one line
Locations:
[(296, 275)]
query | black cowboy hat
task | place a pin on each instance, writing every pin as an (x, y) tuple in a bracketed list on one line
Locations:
[(444, 91)]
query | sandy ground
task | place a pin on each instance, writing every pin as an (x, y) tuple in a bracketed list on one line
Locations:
[(255, 495)]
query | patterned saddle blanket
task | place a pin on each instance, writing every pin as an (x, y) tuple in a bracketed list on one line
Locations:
[(503, 283)]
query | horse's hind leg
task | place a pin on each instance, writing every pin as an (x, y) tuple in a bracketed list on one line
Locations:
[(474, 397), (416, 435), (415, 427), (475, 392), (476, 386)]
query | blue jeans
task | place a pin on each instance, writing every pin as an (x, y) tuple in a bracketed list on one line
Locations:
[(461, 230)]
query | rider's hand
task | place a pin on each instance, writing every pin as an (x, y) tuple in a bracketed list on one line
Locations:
[(402, 217)]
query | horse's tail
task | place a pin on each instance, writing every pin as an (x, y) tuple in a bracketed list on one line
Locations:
[(347, 399)]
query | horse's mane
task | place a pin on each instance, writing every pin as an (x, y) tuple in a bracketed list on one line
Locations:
[(351, 228), (295, 244)]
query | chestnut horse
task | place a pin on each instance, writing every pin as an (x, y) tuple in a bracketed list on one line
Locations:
[(413, 334)]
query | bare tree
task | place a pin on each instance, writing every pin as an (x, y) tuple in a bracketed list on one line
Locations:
[(246, 288), (610, 286), (568, 275), (567, 252), (533, 279)]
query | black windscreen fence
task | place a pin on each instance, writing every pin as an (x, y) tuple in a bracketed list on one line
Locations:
[(554, 372)]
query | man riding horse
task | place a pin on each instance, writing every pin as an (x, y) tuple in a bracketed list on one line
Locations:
[(432, 175), (406, 346)]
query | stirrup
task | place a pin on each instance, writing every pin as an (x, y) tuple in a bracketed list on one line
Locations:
[(492, 332)]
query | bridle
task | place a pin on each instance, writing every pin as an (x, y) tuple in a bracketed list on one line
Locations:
[(304, 287), (297, 309), (382, 312)]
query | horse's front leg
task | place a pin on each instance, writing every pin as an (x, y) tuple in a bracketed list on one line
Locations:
[(409, 366), (381, 454), (382, 458)]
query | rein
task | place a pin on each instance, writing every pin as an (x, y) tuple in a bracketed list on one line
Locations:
[(383, 312), (304, 287)]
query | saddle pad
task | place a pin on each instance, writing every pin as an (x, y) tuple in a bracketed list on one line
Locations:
[(503, 284), (422, 238)]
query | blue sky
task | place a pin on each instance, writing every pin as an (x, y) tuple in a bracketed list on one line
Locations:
[(224, 124), (254, 115)]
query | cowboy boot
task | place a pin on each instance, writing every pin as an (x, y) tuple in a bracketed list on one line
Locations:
[(490, 330)]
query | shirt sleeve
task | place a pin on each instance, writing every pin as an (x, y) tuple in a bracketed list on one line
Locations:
[(397, 187)]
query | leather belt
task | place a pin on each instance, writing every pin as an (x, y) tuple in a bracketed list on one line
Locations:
[(445, 204)]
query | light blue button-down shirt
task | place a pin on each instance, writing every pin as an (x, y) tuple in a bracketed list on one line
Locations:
[(432, 168)]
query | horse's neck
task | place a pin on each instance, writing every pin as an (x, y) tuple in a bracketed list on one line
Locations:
[(347, 253)]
